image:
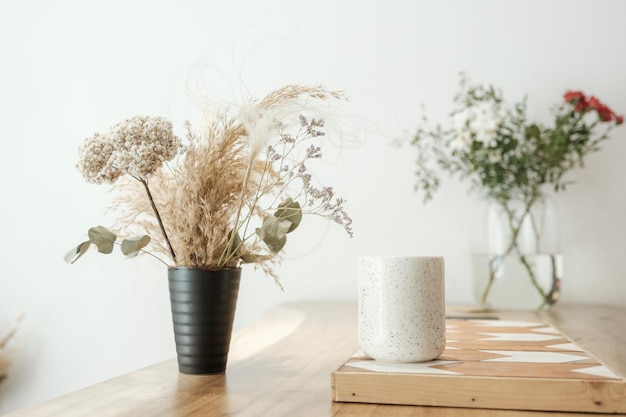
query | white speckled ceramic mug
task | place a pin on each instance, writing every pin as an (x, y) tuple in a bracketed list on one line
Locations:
[(402, 308)]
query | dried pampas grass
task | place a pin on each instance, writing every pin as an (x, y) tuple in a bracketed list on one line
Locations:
[(209, 195)]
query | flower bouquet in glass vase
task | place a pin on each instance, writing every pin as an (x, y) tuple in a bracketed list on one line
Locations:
[(515, 164)]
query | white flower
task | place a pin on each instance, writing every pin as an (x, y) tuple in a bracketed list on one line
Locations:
[(461, 142), (136, 146), (94, 155), (461, 119), (487, 119), (495, 156)]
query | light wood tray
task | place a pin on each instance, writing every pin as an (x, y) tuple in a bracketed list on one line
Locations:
[(494, 364)]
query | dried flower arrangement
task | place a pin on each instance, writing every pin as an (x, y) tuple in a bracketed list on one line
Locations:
[(227, 195)]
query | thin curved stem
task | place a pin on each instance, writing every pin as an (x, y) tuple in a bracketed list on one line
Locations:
[(533, 279), (149, 253), (554, 293), (158, 217), (513, 245), (515, 229)]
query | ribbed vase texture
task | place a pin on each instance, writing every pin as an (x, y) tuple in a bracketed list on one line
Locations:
[(203, 309)]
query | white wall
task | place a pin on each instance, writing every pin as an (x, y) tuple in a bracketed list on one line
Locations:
[(72, 67)]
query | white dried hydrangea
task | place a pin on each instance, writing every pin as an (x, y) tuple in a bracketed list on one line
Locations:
[(93, 161), (137, 146)]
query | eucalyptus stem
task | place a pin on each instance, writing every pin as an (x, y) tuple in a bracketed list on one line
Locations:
[(149, 253), (158, 217)]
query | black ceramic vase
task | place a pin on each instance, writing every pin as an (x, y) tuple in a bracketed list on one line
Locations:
[(203, 309)]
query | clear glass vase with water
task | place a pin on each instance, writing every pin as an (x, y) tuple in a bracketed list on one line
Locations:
[(516, 260)]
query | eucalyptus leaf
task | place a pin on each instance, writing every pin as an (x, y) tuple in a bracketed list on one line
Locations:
[(133, 245), (73, 255), (103, 238), (273, 232), (252, 258), (290, 210)]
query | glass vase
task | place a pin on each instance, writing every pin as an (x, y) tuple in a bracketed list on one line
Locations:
[(516, 260)]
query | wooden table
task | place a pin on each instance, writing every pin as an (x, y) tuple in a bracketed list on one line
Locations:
[(281, 366)]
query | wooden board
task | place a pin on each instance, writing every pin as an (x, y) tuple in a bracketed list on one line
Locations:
[(492, 364)]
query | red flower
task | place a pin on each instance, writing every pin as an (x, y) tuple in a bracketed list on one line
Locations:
[(604, 112), (581, 105), (578, 99), (573, 95)]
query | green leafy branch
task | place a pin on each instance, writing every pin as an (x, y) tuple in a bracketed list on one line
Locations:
[(105, 240)]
